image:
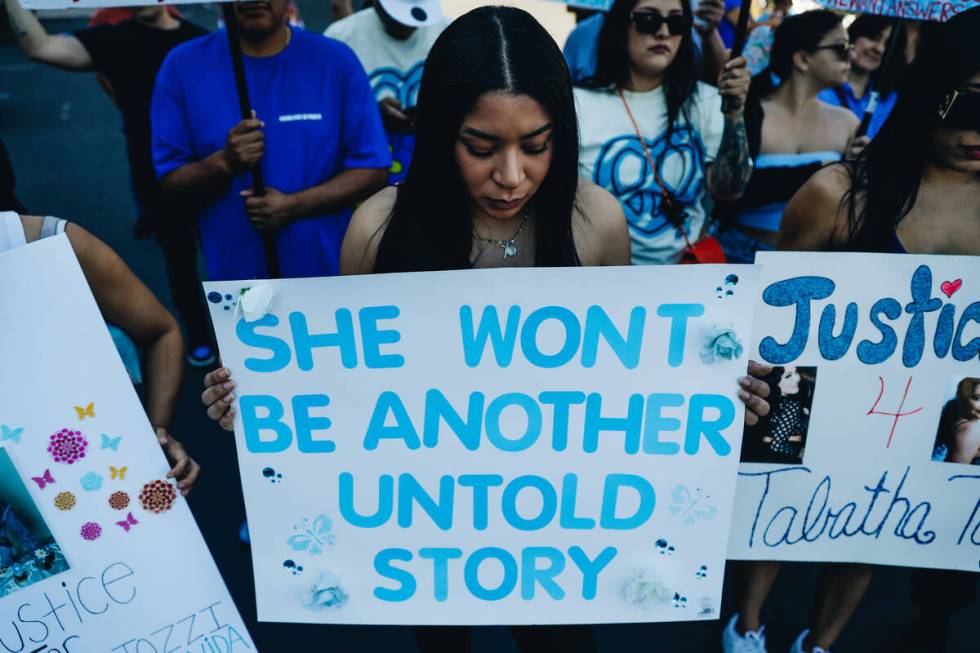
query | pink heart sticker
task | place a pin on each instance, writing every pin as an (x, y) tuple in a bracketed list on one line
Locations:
[(949, 288)]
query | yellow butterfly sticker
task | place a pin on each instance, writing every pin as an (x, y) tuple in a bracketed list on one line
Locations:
[(88, 411), (119, 473)]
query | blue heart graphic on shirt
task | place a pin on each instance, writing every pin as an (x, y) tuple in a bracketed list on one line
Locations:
[(622, 168)]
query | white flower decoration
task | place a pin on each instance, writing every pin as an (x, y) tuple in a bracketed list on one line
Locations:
[(648, 590), (254, 303)]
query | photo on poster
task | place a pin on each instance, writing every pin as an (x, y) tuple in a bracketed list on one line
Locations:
[(958, 433), (28, 551), (780, 437)]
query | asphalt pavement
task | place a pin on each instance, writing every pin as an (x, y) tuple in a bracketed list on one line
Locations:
[(65, 140)]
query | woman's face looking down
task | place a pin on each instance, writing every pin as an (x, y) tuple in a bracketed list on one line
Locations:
[(504, 150)]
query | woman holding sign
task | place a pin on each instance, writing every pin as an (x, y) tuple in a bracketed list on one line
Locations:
[(916, 188), (494, 183)]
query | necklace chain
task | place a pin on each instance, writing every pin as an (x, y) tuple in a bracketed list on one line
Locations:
[(508, 245)]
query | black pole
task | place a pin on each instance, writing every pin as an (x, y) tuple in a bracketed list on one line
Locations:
[(742, 29), (741, 33), (869, 111), (245, 105)]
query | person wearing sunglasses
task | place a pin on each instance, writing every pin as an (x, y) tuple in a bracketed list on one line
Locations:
[(915, 188), (652, 135), (870, 36), (791, 133)]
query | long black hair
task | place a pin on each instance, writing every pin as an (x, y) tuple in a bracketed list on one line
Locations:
[(490, 49), (613, 64), (799, 33), (873, 27), (885, 178)]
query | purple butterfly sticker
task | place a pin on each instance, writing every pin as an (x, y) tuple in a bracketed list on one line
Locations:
[(44, 479), (127, 523)]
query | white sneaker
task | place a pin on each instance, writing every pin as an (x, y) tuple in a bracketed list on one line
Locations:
[(753, 641), (798, 645)]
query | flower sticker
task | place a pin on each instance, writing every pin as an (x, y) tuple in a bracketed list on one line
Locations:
[(326, 592), (67, 446), (91, 482), (648, 590), (722, 345), (254, 303)]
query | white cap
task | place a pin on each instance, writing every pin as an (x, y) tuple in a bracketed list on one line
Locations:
[(414, 13)]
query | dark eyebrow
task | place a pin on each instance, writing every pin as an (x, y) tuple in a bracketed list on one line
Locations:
[(469, 131)]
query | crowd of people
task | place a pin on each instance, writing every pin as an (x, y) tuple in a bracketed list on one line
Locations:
[(401, 141)]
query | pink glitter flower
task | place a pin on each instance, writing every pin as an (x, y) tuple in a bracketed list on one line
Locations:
[(67, 446), (91, 530)]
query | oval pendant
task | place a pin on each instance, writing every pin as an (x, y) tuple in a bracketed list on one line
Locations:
[(510, 249)]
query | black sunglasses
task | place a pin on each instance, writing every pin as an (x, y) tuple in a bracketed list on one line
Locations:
[(842, 50), (650, 22), (961, 110)]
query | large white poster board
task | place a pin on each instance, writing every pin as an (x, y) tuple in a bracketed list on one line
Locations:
[(876, 398), (98, 552), (490, 446)]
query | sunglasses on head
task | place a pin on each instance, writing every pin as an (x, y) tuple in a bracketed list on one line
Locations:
[(650, 22), (842, 50), (961, 110)]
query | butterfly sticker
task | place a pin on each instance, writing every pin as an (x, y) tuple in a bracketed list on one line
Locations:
[(119, 473), (127, 523), (7, 433), (110, 443), (88, 411), (690, 507), (312, 538), (44, 479)]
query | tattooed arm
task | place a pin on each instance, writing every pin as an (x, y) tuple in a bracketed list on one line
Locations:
[(729, 174), (62, 51)]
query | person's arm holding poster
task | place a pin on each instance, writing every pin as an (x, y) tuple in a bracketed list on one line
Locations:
[(186, 178), (364, 168), (58, 50), (126, 302), (730, 171)]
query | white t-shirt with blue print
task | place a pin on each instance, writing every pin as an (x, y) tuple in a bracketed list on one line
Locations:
[(612, 157), (394, 68)]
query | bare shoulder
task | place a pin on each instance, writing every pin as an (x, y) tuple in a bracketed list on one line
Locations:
[(364, 232), (599, 227), (840, 119), (815, 216)]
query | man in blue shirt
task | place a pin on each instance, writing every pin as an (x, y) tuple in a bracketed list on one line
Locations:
[(316, 135)]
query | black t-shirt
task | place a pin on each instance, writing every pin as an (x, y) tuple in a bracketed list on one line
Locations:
[(129, 55)]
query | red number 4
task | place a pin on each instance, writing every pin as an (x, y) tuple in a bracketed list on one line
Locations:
[(898, 414)]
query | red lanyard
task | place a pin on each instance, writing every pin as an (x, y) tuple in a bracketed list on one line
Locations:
[(667, 199)]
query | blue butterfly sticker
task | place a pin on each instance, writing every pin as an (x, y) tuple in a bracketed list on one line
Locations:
[(110, 443), (8, 433), (690, 507), (312, 538)]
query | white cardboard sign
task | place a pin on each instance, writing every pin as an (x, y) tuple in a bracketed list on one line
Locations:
[(876, 400), (489, 446), (98, 552)]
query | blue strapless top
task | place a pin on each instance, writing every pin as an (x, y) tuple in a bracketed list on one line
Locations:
[(774, 181)]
